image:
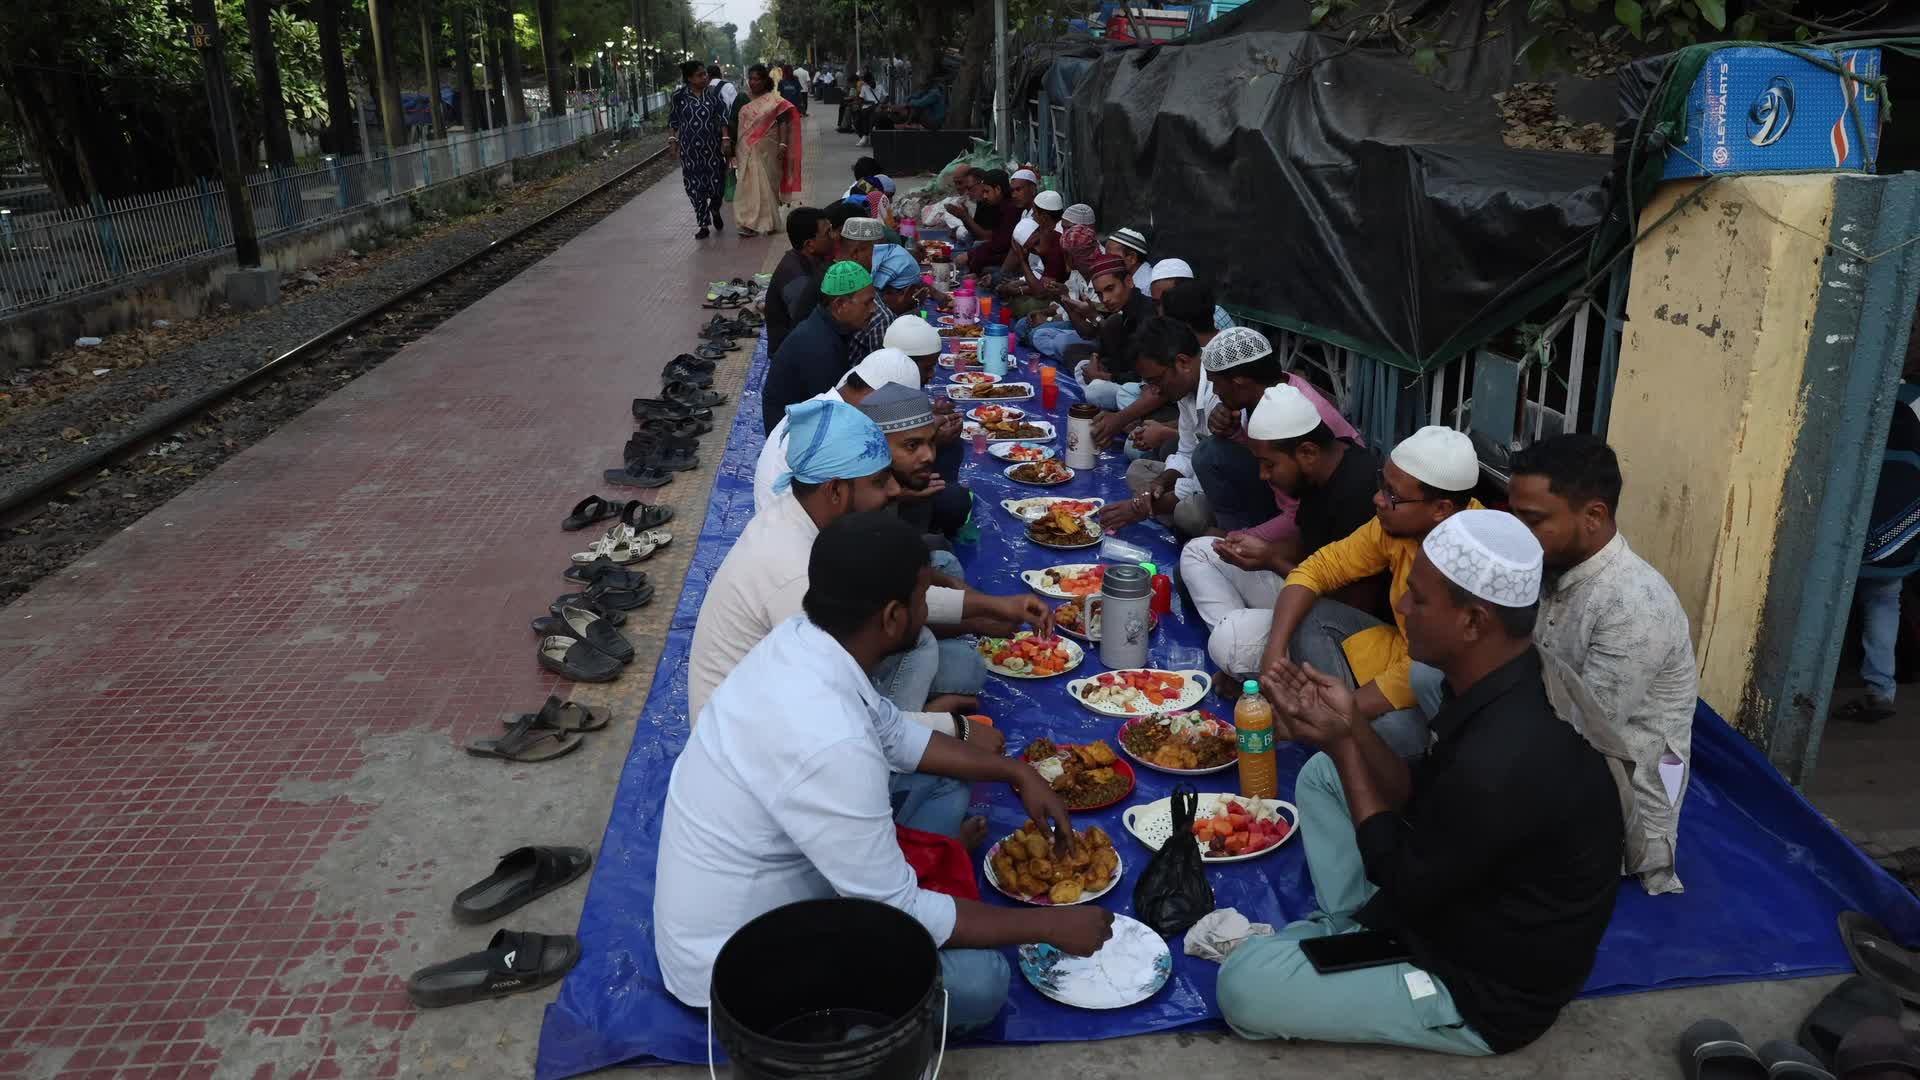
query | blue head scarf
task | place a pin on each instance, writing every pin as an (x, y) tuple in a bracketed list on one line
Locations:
[(829, 439), (893, 267)]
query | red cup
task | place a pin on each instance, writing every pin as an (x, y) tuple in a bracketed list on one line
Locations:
[(1049, 393), (979, 444)]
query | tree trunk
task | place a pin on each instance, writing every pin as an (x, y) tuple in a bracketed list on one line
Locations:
[(393, 122), (929, 30), (510, 63), (430, 63), (550, 56), (463, 65), (338, 137), (266, 73), (973, 64)]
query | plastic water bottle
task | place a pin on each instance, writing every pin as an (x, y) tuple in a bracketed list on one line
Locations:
[(993, 350), (1253, 726)]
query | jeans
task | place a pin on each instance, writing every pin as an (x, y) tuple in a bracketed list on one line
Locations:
[(975, 979), (1879, 600), (1231, 478), (932, 667), (1053, 339), (1269, 990), (1319, 642), (934, 804)]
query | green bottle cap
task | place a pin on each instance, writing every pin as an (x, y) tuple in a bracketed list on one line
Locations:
[(1249, 687), (1149, 568)]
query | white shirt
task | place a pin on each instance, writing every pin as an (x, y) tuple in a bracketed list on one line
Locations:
[(1021, 234), (773, 457), (728, 92), (1193, 410), (1143, 277), (806, 80), (781, 795), (867, 94), (759, 585)]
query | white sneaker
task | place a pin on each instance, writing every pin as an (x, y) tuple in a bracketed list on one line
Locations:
[(863, 141)]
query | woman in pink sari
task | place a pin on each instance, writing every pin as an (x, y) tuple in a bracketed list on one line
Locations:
[(768, 165)]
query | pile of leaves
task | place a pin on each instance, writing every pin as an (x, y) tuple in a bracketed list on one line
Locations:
[(1534, 122)]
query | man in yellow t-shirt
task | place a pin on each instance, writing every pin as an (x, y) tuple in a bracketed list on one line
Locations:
[(1428, 478)]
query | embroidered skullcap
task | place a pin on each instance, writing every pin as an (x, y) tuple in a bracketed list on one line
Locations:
[(1028, 175), (1234, 346), (1439, 457), (828, 439), (885, 367), (912, 335), (1132, 239), (863, 228), (1489, 553), (1283, 413), (1078, 214), (1172, 270), (1081, 246), (845, 278), (894, 267), (1049, 200), (896, 408), (1106, 264), (883, 182)]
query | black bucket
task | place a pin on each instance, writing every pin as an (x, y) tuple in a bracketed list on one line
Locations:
[(838, 988)]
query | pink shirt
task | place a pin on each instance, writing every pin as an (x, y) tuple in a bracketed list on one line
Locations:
[(1281, 526)]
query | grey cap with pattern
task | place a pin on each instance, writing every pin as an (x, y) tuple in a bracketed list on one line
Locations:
[(1489, 553), (1234, 346), (863, 228)]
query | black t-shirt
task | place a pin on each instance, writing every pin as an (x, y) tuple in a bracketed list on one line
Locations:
[(1329, 513), (780, 318), (1116, 336)]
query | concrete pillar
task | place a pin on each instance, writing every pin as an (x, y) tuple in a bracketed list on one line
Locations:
[(1756, 374)]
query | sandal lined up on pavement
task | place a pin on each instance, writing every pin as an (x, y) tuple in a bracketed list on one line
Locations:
[(1857, 998), (605, 601), (527, 741), (590, 511), (575, 659), (604, 570), (645, 515), (522, 876), (513, 962), (1875, 954), (563, 716), (692, 396), (1715, 1050)]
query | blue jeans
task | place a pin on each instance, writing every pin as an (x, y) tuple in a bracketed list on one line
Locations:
[(1053, 339), (976, 979), (1319, 642), (932, 667), (1103, 394), (1879, 600)]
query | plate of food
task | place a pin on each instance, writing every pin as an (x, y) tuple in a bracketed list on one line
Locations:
[(1229, 828), (1071, 618), (1048, 473), (1066, 581), (1035, 507), (1130, 968), (1139, 691), (1011, 430), (1006, 391), (1021, 451), (958, 329), (996, 414), (967, 347), (1064, 530), (1088, 777), (1023, 866), (1188, 743), (937, 251), (1026, 656), (974, 378)]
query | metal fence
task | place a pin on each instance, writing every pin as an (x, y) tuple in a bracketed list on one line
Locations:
[(48, 256)]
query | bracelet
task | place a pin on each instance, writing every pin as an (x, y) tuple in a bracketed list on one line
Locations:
[(961, 729)]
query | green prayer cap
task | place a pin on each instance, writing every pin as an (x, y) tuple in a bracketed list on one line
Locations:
[(845, 279)]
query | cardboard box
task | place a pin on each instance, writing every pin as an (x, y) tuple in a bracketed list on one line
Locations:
[(1756, 109)]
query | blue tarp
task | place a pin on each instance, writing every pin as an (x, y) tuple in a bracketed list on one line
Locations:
[(1765, 874)]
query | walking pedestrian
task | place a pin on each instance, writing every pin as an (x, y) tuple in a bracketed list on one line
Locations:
[(699, 121)]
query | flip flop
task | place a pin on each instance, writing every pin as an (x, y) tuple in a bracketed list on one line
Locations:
[(713, 354), (586, 600), (522, 876), (638, 475), (595, 631), (1785, 1061), (1715, 1050), (524, 741), (1878, 956), (1877, 1049), (575, 659), (645, 515), (563, 716), (599, 570), (589, 511), (1857, 998), (514, 961), (692, 396)]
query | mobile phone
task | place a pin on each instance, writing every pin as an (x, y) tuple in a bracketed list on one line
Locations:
[(1351, 952)]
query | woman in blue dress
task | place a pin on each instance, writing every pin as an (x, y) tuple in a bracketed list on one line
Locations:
[(699, 123)]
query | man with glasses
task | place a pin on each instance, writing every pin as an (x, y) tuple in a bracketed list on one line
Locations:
[(1429, 477)]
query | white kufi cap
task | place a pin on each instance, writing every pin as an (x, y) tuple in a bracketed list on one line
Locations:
[(1028, 175), (1172, 270), (1489, 553), (1283, 413), (1234, 346), (912, 335), (1439, 457), (1049, 200), (883, 366)]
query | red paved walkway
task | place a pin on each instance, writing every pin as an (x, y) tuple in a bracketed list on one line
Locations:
[(236, 802)]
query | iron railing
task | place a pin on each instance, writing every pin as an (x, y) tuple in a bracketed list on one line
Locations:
[(46, 257)]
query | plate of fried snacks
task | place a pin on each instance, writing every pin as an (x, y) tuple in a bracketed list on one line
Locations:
[(1190, 743), (1088, 777), (1065, 530), (1025, 867)]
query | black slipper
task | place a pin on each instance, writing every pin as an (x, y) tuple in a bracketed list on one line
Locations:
[(1785, 1061), (1857, 998), (650, 408), (522, 876), (524, 741), (644, 446), (1875, 1049), (638, 475), (513, 962), (674, 459), (563, 716), (599, 570), (678, 372), (674, 429), (589, 511), (605, 601), (597, 632), (691, 396), (721, 326), (639, 515), (693, 363), (712, 353), (1878, 956), (586, 600), (1715, 1050), (577, 660)]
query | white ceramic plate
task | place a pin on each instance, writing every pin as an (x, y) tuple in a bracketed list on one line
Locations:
[(1152, 823), (974, 378), (1007, 412), (993, 879), (1047, 433), (1075, 656), (1008, 473), (1130, 968), (959, 393), (1120, 741), (1035, 507), (1035, 579), (1195, 690), (1004, 451), (1093, 634)]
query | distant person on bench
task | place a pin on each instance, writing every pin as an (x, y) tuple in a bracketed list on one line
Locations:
[(1493, 861)]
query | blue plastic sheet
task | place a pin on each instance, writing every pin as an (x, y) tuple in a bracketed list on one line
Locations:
[(1765, 874)]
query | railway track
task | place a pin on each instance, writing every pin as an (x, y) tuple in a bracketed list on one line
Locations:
[(180, 442)]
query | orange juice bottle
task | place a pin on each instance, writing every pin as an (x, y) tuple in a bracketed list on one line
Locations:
[(1253, 724)]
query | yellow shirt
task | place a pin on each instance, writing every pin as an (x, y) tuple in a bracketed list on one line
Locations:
[(1378, 654)]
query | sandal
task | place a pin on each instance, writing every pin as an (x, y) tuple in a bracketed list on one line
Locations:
[(1785, 1061), (514, 961), (1875, 954), (1715, 1050), (713, 354), (605, 570), (1876, 1047), (522, 876), (603, 600), (694, 363), (692, 396), (675, 371), (674, 429), (525, 741), (621, 550), (650, 408), (589, 511), (597, 632), (571, 658), (564, 716), (1855, 999), (644, 515), (638, 474)]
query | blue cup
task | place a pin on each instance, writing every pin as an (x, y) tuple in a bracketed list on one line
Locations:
[(993, 350)]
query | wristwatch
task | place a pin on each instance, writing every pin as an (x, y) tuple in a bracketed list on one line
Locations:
[(961, 729)]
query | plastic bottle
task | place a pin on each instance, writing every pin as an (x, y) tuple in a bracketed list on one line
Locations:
[(1253, 724), (1162, 591)]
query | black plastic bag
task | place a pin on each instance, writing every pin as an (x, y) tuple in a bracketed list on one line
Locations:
[(1173, 892)]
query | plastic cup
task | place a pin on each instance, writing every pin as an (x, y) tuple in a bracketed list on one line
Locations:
[(986, 308), (1114, 549), (1049, 393), (979, 444)]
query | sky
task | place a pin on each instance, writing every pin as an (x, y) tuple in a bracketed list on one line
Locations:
[(741, 13)]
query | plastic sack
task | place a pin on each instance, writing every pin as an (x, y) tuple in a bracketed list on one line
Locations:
[(1172, 893), (733, 182)]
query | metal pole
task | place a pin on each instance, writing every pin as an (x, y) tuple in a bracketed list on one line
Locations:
[(206, 38), (1001, 133), (857, 69), (486, 71)]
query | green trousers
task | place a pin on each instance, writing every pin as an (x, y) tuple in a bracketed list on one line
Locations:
[(1269, 990)]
